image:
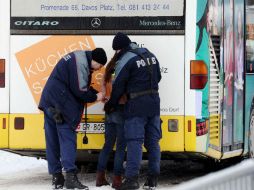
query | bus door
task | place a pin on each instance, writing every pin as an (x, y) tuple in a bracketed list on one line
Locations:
[(249, 87), (232, 133), (226, 30)]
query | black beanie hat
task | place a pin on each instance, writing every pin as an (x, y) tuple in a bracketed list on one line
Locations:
[(99, 55), (120, 41)]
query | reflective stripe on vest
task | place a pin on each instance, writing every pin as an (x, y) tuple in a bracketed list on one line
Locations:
[(83, 70), (122, 62)]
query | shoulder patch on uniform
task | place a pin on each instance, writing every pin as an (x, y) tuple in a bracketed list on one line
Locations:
[(82, 69)]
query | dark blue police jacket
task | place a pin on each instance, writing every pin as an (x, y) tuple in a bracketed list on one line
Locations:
[(132, 76), (67, 88)]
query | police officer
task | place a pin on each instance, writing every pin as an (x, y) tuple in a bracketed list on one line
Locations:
[(62, 101), (138, 75)]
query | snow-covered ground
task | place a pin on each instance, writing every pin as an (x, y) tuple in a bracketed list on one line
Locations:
[(28, 173), (25, 173)]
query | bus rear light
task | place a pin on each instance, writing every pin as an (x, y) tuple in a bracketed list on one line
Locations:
[(19, 123), (2, 73), (198, 74), (173, 125), (202, 128), (198, 82), (4, 123)]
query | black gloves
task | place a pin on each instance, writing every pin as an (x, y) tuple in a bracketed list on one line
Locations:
[(90, 95), (108, 107), (56, 115), (94, 91)]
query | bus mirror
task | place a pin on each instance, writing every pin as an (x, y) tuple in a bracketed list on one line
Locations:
[(198, 74)]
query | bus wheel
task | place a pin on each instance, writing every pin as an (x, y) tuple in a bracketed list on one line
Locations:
[(251, 135)]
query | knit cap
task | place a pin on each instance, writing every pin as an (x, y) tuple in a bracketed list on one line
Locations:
[(120, 41), (99, 55)]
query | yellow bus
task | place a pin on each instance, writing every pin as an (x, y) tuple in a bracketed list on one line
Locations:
[(205, 49)]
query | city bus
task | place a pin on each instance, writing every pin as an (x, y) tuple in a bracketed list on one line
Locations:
[(206, 53)]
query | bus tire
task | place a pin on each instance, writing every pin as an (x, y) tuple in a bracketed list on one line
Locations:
[(251, 132)]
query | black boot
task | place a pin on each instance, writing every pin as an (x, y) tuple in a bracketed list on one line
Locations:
[(130, 183), (58, 181), (151, 182), (72, 181)]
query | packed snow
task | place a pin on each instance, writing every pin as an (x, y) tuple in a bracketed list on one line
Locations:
[(25, 173)]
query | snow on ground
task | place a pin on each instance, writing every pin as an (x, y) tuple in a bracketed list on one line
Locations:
[(27, 173), (10, 163)]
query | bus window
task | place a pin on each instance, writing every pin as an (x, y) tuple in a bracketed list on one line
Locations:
[(250, 37), (2, 73), (215, 21), (238, 69)]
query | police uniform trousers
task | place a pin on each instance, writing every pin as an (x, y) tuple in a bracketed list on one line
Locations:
[(138, 131), (61, 145)]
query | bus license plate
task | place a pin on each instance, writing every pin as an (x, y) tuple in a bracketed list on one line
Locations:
[(91, 128)]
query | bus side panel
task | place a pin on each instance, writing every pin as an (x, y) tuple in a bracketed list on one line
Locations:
[(4, 71), (172, 141), (191, 109), (4, 130), (191, 144), (26, 131), (33, 58), (190, 45), (196, 101), (4, 55)]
